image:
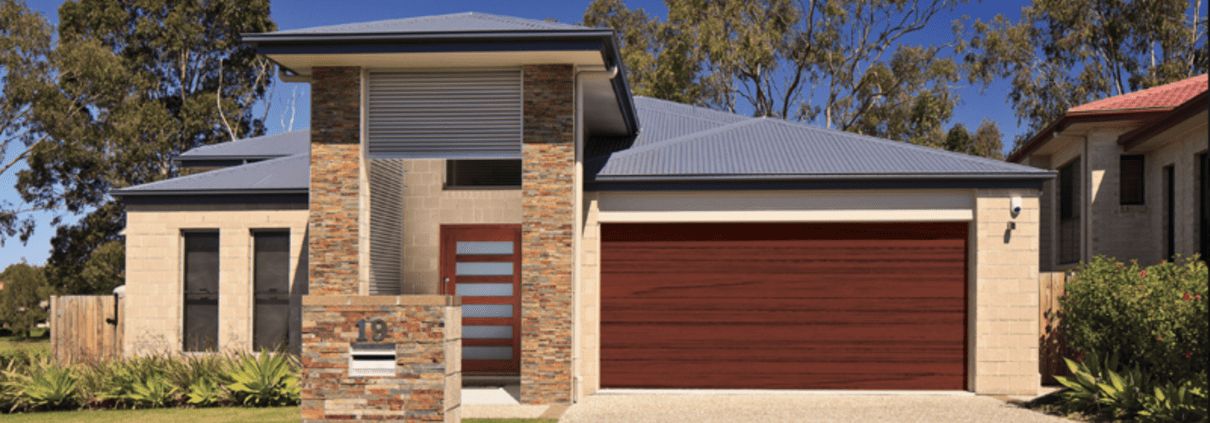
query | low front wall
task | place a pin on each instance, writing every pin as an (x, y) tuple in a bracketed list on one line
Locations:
[(426, 331)]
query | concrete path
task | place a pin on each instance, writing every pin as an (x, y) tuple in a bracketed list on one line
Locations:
[(806, 407)]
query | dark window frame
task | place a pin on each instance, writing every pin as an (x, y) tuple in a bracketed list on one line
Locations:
[(1132, 171), (1169, 180), (1069, 205), (200, 291), (271, 304), (482, 173)]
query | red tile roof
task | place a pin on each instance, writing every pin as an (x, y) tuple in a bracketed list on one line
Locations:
[(1162, 97)]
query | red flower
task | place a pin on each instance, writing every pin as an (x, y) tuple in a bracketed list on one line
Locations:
[(1197, 296), (1186, 297), (1163, 261), (1143, 273), (1159, 339), (1120, 265), (1188, 354)]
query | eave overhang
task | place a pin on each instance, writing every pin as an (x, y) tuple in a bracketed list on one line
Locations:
[(1138, 140), (1071, 118), (550, 46)]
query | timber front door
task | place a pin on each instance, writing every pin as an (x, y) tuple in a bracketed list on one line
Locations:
[(482, 263)]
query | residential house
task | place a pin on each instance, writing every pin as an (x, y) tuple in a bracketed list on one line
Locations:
[(593, 239), (1132, 177)]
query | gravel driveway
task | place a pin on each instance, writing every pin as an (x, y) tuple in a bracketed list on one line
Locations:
[(709, 408)]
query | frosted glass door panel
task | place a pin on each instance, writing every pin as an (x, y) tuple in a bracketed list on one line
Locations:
[(487, 353), (485, 269), (485, 289), (487, 332), (487, 310), (477, 248)]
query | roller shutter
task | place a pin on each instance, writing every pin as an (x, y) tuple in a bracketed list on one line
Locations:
[(474, 114), (386, 226)]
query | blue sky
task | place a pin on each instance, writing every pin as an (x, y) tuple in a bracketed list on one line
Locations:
[(294, 14)]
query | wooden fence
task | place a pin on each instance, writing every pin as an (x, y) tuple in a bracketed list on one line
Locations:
[(1051, 348), (86, 327)]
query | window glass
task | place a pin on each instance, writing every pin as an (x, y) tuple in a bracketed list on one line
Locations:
[(201, 291), (482, 173), (271, 272), (1132, 180)]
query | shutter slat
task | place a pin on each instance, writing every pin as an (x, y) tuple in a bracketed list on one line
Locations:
[(444, 115), (386, 227)]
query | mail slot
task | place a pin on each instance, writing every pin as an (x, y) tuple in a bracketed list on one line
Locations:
[(372, 360)]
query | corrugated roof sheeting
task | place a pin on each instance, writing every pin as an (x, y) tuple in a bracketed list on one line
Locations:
[(661, 120), (458, 22), (282, 174), (776, 147), (276, 145)]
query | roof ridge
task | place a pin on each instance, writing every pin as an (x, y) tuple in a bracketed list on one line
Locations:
[(225, 144), (704, 109), (211, 174), (684, 138)]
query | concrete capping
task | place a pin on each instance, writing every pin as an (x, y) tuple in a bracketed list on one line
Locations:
[(381, 300)]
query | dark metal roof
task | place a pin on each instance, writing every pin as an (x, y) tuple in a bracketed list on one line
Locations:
[(285, 175), (262, 147), (457, 22), (682, 145)]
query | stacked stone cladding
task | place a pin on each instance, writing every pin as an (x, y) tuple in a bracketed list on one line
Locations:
[(548, 178), (426, 331), (335, 180)]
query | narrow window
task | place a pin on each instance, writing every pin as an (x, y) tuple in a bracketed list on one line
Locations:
[(1069, 212), (483, 173), (270, 277), (201, 291), (1170, 211), (1132, 180), (1203, 161)]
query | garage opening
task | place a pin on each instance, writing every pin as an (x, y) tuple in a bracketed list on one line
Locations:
[(784, 306)]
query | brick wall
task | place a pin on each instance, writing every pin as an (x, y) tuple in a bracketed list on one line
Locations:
[(427, 384), (154, 270), (548, 152), (1005, 309), (335, 180)]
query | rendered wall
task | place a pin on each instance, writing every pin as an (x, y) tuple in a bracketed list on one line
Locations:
[(154, 272)]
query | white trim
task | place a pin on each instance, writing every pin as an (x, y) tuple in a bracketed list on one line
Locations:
[(934, 215)]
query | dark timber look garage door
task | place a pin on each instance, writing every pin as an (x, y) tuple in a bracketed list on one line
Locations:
[(784, 306)]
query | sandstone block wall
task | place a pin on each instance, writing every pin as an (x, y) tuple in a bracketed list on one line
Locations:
[(1004, 278), (154, 270), (427, 206), (426, 334), (548, 152)]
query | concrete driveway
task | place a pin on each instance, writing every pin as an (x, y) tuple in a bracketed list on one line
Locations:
[(797, 407)]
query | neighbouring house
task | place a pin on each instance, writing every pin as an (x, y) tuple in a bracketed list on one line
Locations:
[(1132, 177), (593, 239)]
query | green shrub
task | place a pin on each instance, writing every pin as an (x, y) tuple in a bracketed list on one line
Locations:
[(1173, 402), (1103, 387), (267, 380), (41, 385), (1153, 318)]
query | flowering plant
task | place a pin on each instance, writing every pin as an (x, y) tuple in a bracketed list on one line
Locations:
[(1153, 317)]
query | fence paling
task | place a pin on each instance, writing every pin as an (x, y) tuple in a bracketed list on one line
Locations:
[(1051, 348), (85, 327)]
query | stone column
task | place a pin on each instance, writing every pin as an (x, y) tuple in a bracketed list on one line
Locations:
[(335, 184), (548, 152)]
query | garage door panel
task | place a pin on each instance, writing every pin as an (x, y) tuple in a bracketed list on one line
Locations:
[(911, 352), (696, 311), (687, 334), (777, 380), (748, 285), (784, 306), (787, 251)]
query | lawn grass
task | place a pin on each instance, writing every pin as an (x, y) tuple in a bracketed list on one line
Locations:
[(36, 343), (191, 415)]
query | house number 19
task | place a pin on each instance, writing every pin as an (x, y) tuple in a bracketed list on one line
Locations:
[(377, 327)]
